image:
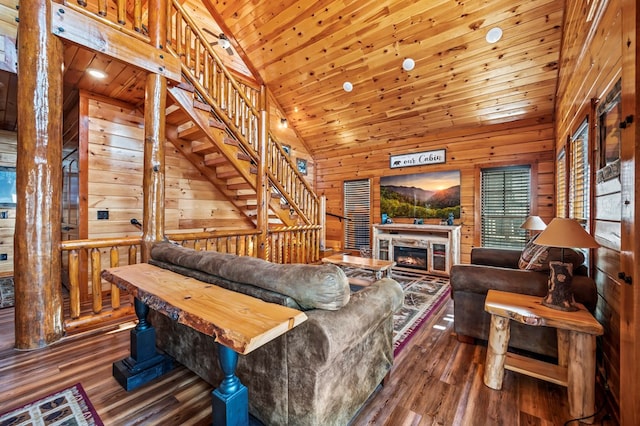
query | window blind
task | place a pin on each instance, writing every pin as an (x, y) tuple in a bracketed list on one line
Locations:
[(357, 209), (579, 176), (561, 188), (505, 205)]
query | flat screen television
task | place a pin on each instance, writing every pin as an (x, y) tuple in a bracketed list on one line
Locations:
[(7, 186)]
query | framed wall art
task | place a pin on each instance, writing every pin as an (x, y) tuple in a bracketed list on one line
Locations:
[(302, 166)]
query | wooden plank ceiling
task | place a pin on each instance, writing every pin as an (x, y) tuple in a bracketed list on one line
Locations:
[(304, 51)]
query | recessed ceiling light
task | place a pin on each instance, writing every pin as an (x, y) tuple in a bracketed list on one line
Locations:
[(408, 64), (347, 86), (494, 34), (96, 73)]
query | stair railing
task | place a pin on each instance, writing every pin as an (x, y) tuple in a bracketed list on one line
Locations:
[(235, 104), (124, 15)]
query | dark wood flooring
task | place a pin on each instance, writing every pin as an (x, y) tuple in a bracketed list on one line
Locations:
[(436, 380)]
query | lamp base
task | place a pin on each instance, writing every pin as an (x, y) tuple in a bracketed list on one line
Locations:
[(559, 295)]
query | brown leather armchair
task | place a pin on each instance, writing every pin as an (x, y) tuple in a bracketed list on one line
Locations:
[(498, 269)]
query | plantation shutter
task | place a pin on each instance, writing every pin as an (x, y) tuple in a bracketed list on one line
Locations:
[(579, 176), (561, 178), (505, 205), (357, 208)]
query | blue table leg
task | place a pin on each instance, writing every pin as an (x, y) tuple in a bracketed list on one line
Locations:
[(145, 362), (230, 400)]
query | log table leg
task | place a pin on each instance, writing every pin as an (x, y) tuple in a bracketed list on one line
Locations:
[(230, 400), (581, 375), (496, 352), (145, 363)]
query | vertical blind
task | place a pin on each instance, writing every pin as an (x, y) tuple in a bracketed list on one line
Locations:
[(561, 178), (579, 176), (357, 208), (505, 205)]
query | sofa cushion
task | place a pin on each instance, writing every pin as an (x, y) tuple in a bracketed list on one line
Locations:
[(312, 286), (536, 257)]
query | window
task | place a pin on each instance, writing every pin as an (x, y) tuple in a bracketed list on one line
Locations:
[(357, 207), (505, 205), (561, 178), (579, 175)]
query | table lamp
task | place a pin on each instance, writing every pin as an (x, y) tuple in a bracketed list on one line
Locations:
[(534, 225), (563, 233)]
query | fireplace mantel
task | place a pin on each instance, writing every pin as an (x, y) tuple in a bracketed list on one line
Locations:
[(440, 243)]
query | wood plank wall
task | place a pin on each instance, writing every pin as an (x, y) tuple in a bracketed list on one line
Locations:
[(467, 150), (192, 204), (591, 65), (8, 152)]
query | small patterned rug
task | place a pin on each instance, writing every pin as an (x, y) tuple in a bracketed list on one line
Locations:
[(68, 407), (423, 295)]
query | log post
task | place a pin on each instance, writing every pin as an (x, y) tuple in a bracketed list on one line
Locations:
[(496, 351), (262, 181), (154, 138), (37, 264)]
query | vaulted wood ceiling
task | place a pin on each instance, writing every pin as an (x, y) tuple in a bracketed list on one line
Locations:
[(305, 50)]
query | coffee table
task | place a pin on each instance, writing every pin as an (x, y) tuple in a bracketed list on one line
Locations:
[(577, 333), (377, 266)]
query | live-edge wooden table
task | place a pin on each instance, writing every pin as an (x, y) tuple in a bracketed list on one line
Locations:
[(577, 333), (239, 324)]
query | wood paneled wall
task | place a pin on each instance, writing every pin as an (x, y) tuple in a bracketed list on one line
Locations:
[(8, 151), (467, 150), (591, 65)]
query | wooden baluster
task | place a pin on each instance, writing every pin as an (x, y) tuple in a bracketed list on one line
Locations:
[(206, 72), (115, 291), (178, 33), (96, 280), (102, 7), (133, 255), (74, 283), (137, 17), (196, 245), (197, 45), (122, 11), (187, 46)]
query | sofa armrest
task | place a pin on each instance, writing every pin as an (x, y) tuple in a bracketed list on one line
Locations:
[(480, 279), (504, 258), (327, 334)]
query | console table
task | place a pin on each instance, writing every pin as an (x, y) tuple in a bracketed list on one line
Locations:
[(440, 245), (239, 323)]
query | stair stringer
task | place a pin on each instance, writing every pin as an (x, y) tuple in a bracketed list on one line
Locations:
[(232, 152)]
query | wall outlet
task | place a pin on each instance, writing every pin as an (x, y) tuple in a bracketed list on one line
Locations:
[(103, 214)]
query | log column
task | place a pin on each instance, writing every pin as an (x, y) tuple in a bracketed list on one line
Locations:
[(154, 138), (37, 267)]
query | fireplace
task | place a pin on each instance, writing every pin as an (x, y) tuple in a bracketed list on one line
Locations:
[(410, 257)]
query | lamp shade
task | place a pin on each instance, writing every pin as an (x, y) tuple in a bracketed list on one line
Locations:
[(534, 223), (567, 233)]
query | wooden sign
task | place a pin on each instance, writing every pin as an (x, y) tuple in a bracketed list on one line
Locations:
[(437, 156)]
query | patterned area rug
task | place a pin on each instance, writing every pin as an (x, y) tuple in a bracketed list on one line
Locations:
[(68, 407), (423, 295)]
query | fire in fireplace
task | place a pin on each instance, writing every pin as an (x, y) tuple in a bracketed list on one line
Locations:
[(410, 257)]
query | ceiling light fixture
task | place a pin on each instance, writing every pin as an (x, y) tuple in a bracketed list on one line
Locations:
[(494, 34), (408, 64), (96, 73), (224, 43), (347, 86)]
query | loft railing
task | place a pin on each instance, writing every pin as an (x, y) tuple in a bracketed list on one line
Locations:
[(87, 290), (124, 15)]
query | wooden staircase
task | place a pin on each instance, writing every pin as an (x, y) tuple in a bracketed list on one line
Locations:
[(202, 137)]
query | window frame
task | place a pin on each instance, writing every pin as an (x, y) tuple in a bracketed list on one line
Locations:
[(477, 217)]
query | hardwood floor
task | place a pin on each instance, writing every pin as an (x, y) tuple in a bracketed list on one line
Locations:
[(435, 380)]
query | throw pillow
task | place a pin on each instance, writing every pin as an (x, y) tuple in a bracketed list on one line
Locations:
[(535, 257)]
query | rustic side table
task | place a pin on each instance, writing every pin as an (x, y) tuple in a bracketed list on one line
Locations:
[(577, 333)]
